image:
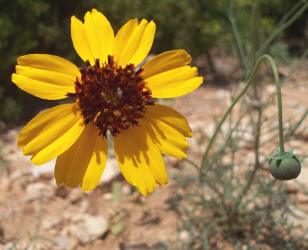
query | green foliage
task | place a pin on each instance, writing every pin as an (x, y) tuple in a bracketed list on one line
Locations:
[(31, 26), (280, 51), (43, 26), (212, 216), (229, 201)]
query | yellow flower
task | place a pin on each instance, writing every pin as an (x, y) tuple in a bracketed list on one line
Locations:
[(110, 94)]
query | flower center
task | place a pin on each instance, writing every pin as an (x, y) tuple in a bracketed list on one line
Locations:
[(111, 97)]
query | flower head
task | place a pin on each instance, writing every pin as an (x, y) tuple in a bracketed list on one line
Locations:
[(110, 94)]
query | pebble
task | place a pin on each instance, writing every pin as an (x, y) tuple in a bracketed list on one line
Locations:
[(75, 195), (88, 228), (44, 171), (48, 224), (184, 235), (96, 226), (64, 242), (111, 171), (36, 190)]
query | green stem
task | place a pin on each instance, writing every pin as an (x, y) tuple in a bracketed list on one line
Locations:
[(256, 167), (249, 82), (254, 28), (281, 28), (237, 37)]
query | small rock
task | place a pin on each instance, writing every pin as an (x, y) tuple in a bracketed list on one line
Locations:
[(36, 190), (184, 235), (111, 171), (107, 196), (48, 224), (76, 217), (75, 195), (223, 94), (271, 89), (96, 226), (126, 189), (44, 171), (291, 104), (80, 233), (88, 228), (36, 246), (302, 89), (64, 242), (245, 247)]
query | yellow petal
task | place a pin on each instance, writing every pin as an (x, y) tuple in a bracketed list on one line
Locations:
[(140, 159), (84, 162), (80, 40), (169, 140), (45, 76), (51, 133), (133, 42), (170, 117), (144, 45), (122, 36), (40, 89), (100, 35), (175, 82), (165, 61), (50, 63)]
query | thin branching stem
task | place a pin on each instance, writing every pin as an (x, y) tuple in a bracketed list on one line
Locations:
[(282, 27), (255, 169), (237, 37), (249, 82)]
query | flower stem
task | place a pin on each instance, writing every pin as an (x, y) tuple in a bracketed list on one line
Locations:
[(249, 82)]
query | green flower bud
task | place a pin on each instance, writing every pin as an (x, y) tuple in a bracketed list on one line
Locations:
[(284, 166)]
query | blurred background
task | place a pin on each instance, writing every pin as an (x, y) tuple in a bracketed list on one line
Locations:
[(236, 204), (200, 27)]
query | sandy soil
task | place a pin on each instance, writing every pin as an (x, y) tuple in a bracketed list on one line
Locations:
[(35, 213)]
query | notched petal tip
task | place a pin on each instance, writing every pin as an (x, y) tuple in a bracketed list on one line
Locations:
[(144, 21), (74, 18), (146, 192), (166, 61), (184, 54), (88, 14), (152, 23), (19, 59)]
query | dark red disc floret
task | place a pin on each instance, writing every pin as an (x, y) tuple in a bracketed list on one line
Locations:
[(111, 97)]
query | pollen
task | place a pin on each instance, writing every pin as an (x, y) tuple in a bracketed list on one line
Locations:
[(111, 97)]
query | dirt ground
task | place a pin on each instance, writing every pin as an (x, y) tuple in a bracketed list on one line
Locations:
[(37, 214)]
